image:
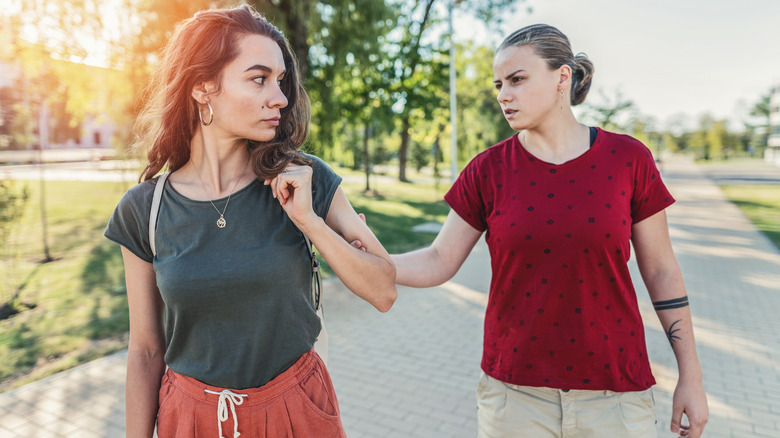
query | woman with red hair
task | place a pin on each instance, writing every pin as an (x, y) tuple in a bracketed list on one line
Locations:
[(220, 290)]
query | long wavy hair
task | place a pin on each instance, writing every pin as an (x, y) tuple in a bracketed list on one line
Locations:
[(197, 52)]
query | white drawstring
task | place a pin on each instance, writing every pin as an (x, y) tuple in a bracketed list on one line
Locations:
[(222, 409)]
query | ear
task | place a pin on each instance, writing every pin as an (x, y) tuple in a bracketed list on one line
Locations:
[(564, 78), (201, 91)]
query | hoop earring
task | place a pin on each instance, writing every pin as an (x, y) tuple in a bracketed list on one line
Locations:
[(211, 116)]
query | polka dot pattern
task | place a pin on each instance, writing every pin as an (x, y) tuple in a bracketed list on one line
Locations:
[(562, 310)]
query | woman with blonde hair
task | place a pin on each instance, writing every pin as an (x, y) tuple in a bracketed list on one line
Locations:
[(220, 290), (564, 351)]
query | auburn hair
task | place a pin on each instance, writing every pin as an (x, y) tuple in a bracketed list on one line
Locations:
[(198, 50)]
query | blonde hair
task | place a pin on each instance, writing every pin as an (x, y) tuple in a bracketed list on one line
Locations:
[(553, 46)]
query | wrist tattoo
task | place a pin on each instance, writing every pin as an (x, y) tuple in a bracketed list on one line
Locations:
[(671, 333), (671, 304)]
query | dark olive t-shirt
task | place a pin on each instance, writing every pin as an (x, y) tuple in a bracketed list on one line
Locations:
[(238, 308)]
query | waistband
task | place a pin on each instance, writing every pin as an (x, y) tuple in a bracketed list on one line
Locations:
[(280, 384)]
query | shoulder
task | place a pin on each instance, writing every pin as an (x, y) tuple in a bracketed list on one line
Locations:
[(140, 195), (317, 162), (494, 154), (622, 143)]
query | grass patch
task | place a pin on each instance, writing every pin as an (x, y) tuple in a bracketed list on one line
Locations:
[(761, 204), (74, 309), (70, 306)]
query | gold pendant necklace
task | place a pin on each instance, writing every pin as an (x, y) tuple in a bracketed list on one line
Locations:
[(221, 222)]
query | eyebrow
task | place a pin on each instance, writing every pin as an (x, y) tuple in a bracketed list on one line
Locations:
[(262, 68), (509, 76)]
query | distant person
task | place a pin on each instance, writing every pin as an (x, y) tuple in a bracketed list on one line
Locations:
[(564, 350), (225, 303)]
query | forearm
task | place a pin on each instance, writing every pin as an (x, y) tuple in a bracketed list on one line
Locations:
[(422, 268), (368, 274), (667, 291), (144, 372), (664, 282)]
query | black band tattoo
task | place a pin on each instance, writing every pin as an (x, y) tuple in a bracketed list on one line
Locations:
[(671, 333), (670, 304)]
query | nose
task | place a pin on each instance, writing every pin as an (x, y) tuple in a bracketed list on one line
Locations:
[(278, 98), (503, 95)]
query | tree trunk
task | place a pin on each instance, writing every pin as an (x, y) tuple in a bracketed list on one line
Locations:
[(414, 55), (402, 152), (293, 24), (366, 155), (437, 152)]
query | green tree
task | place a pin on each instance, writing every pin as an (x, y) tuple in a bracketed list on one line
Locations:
[(697, 142), (412, 50), (757, 127), (479, 114), (13, 201), (348, 72), (719, 142), (608, 110)]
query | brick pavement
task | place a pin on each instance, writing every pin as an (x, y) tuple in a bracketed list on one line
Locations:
[(412, 372)]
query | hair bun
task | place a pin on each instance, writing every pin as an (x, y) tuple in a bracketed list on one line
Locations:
[(582, 77)]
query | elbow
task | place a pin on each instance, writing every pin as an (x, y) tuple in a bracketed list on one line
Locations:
[(389, 291), (388, 299), (147, 353)]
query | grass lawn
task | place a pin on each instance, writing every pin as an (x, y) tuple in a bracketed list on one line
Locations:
[(761, 204), (74, 309)]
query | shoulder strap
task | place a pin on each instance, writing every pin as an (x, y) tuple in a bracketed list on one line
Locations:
[(158, 189), (316, 278)]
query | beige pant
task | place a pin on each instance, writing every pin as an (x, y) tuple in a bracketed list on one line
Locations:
[(507, 410)]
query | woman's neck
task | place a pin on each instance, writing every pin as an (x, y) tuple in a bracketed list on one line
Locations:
[(557, 142), (218, 166)]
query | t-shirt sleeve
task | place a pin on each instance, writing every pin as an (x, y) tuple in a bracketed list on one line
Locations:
[(465, 198), (650, 193), (129, 224), (324, 184)]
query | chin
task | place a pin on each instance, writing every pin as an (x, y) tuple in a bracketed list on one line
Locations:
[(517, 126), (263, 137)]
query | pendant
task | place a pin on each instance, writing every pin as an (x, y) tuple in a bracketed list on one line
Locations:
[(221, 222)]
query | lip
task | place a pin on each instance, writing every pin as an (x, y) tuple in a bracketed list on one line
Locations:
[(273, 121), (509, 113)]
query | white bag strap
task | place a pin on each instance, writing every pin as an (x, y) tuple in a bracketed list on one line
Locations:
[(156, 199)]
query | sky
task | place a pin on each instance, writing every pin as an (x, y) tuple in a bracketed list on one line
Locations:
[(670, 57)]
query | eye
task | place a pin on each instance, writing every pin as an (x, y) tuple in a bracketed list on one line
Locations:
[(497, 85), (260, 80), (517, 79)]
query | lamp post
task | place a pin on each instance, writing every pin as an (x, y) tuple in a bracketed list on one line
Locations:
[(453, 100)]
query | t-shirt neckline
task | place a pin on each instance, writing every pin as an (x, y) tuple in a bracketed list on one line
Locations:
[(516, 139), (196, 201)]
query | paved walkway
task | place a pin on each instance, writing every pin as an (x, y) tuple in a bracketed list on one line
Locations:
[(412, 372)]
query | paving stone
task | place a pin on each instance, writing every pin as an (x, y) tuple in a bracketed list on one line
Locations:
[(412, 372)]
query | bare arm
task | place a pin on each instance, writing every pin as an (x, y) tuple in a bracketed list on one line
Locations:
[(662, 276), (369, 274), (439, 262), (145, 364)]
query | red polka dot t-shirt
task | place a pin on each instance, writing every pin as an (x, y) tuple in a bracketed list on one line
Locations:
[(562, 310)]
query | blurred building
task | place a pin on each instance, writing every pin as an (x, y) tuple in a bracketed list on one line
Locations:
[(94, 131), (772, 152)]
